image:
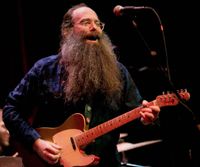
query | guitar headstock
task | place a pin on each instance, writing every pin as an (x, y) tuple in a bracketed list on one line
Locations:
[(171, 99)]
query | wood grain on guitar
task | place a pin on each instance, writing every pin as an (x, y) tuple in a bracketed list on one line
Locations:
[(72, 136)]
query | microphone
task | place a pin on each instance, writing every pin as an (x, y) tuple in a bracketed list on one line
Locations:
[(119, 10)]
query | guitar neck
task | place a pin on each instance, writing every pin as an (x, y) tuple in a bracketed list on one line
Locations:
[(162, 100), (93, 133)]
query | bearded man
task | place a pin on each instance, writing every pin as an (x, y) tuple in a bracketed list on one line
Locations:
[(83, 79)]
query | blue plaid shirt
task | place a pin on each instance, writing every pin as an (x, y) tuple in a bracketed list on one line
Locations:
[(37, 101)]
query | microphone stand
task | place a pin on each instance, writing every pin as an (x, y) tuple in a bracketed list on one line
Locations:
[(153, 54)]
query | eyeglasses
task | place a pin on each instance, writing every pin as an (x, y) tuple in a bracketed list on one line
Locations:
[(88, 23)]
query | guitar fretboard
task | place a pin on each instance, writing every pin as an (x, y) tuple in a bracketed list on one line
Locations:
[(93, 133)]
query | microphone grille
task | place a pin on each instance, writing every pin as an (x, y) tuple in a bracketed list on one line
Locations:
[(117, 10)]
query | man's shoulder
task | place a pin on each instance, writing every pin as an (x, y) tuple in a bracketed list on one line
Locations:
[(49, 59), (46, 63)]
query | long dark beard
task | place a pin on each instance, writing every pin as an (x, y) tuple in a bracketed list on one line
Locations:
[(90, 68)]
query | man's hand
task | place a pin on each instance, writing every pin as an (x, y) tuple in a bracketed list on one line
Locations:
[(149, 114), (47, 150), (4, 133)]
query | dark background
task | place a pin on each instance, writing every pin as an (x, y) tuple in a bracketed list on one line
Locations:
[(30, 30)]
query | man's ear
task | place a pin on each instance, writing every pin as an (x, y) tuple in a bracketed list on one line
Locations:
[(1, 114), (64, 32)]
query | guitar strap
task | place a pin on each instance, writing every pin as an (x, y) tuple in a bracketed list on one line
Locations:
[(88, 115)]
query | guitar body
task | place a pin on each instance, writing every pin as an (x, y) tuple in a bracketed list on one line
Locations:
[(71, 155)]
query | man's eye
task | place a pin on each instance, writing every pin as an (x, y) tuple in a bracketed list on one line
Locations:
[(85, 22)]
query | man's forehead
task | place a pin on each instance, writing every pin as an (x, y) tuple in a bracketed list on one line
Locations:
[(84, 12)]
